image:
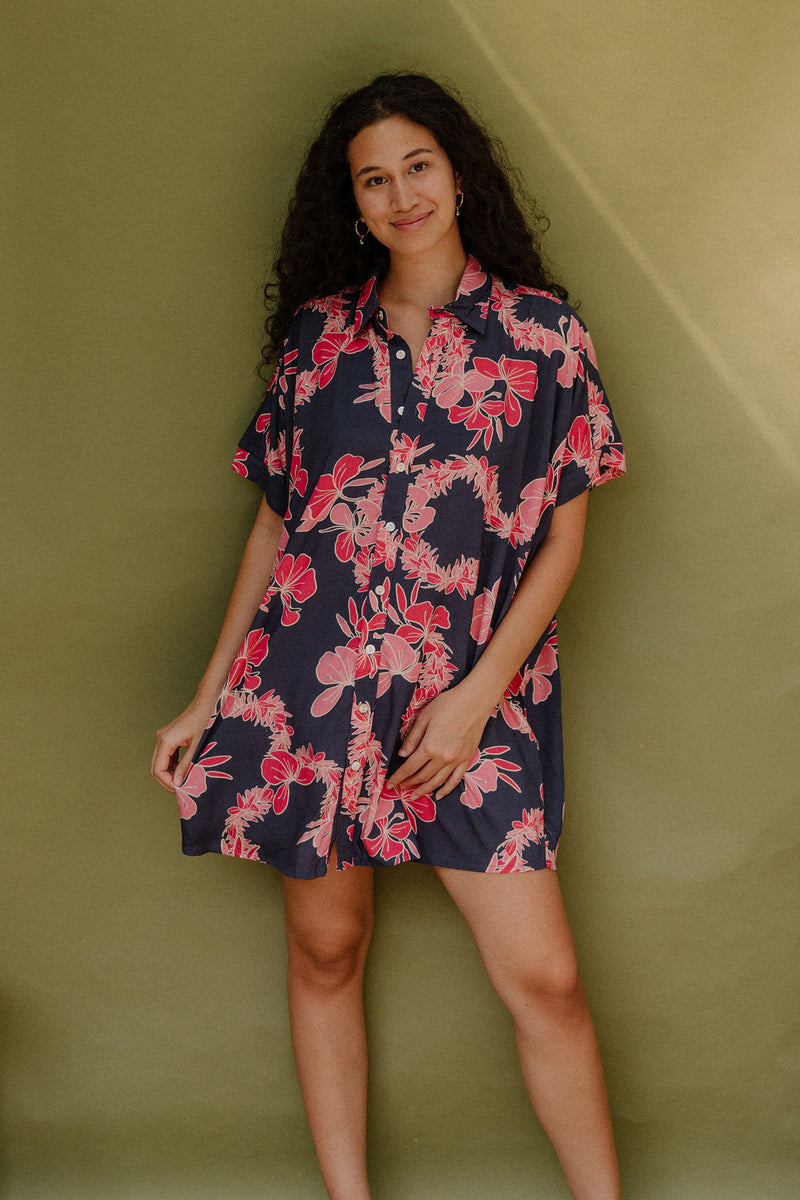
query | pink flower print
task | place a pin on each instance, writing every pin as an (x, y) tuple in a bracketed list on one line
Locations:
[(197, 778), (346, 518), (486, 410), (331, 487), (504, 303), (404, 450), (418, 512), (420, 561), (280, 768), (239, 461), (422, 622), (250, 805), (329, 346), (251, 654), (473, 277), (574, 340), (289, 368), (520, 376), (449, 389), (514, 716), (397, 658), (529, 512), (379, 391), (599, 414), (237, 845), (298, 474), (418, 808), (486, 771), (363, 296), (546, 664), (482, 613), (339, 669), (306, 386), (612, 463), (296, 580), (509, 855), (389, 839), (579, 443)]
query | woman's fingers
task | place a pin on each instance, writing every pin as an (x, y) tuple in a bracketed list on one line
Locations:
[(182, 769), (412, 769), (414, 736), (165, 760), (440, 745), (167, 766), (429, 786), (455, 777), (424, 773)]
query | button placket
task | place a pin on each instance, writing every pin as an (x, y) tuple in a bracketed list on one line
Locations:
[(403, 395), (401, 383)]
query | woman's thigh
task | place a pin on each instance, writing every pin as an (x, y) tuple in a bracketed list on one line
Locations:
[(521, 930)]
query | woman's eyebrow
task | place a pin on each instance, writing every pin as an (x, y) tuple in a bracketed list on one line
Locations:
[(411, 153)]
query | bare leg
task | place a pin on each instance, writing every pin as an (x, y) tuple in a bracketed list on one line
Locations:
[(328, 927), (520, 927)]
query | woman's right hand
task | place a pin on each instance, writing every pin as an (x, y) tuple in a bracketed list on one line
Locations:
[(167, 768), (251, 582)]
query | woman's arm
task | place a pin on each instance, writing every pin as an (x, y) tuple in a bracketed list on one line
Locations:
[(248, 591), (442, 741)]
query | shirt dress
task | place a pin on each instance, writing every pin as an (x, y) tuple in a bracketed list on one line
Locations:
[(412, 500)]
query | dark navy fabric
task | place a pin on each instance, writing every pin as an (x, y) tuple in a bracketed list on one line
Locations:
[(412, 499)]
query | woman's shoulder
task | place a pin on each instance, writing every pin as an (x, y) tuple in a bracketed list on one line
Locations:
[(531, 303), (335, 306), (540, 323), (321, 315)]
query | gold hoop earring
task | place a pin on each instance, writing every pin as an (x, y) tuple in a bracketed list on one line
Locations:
[(361, 236), (459, 202)]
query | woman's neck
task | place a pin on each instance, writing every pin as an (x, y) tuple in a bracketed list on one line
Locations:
[(426, 281)]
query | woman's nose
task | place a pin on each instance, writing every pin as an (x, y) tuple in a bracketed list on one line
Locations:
[(402, 195)]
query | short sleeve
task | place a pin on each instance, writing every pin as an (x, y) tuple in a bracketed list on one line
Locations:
[(265, 449), (587, 447)]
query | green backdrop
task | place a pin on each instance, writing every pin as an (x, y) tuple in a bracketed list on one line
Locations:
[(151, 148)]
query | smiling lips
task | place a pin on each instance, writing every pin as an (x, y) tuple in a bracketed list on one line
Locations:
[(412, 223)]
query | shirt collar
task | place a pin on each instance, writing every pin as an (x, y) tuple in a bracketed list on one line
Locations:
[(471, 303)]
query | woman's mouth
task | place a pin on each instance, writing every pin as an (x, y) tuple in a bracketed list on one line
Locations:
[(412, 222)]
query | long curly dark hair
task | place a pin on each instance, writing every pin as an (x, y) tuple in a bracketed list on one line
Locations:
[(319, 252)]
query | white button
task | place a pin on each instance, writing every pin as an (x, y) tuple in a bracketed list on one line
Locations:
[(381, 315), (370, 649), (401, 410), (390, 525), (400, 353), (402, 466), (363, 706)]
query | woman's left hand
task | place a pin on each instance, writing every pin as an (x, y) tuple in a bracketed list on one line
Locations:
[(441, 743)]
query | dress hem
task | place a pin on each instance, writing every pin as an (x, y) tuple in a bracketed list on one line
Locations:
[(198, 851)]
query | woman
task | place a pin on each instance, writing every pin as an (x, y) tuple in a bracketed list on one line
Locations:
[(385, 685)]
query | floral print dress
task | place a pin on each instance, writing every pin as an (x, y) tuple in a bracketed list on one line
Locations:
[(412, 499)]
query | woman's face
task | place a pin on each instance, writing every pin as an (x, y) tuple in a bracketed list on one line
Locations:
[(404, 187)]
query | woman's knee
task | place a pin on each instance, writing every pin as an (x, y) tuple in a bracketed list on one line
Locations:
[(330, 954), (548, 991)]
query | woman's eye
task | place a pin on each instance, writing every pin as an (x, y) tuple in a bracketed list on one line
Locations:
[(374, 179), (420, 166)]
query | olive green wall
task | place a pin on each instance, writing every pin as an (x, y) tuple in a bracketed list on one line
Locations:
[(144, 1035)]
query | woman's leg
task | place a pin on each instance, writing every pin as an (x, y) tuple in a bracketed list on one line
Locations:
[(328, 927), (520, 927)]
